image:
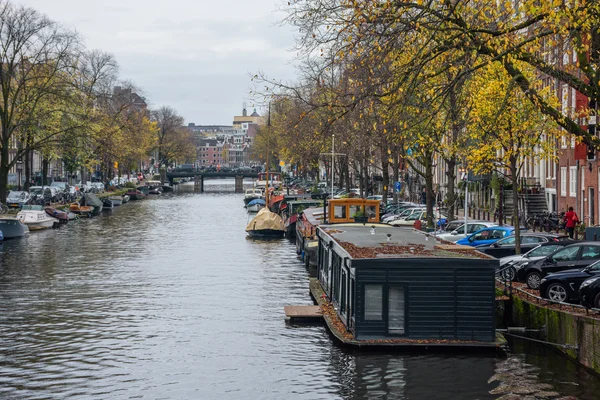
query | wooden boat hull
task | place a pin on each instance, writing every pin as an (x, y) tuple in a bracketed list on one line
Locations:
[(61, 216)]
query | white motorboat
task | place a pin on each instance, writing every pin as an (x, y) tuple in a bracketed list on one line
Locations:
[(252, 194), (255, 205), (11, 227), (35, 218)]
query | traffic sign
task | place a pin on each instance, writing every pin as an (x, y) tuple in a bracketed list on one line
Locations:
[(398, 186)]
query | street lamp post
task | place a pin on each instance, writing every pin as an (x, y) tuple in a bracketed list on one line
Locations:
[(19, 170)]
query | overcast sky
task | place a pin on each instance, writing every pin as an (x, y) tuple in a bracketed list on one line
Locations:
[(193, 55)]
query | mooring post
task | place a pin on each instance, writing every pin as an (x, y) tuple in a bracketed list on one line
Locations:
[(201, 183)]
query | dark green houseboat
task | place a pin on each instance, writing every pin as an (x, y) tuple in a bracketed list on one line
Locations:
[(386, 283)]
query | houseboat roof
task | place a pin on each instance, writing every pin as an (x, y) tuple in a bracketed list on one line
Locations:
[(371, 241)]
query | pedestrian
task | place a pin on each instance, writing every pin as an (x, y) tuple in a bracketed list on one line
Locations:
[(424, 196), (571, 220)]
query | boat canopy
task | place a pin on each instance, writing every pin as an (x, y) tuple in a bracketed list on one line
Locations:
[(266, 220), (256, 201), (93, 200)]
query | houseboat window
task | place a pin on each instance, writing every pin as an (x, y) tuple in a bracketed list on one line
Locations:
[(396, 310), (351, 300), (354, 210), (339, 212), (370, 212), (373, 302), (343, 292), (336, 262)]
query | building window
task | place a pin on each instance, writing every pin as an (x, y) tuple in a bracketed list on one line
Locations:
[(563, 181), (373, 302), (572, 181)]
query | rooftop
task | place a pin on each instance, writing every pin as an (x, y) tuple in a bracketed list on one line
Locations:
[(371, 241)]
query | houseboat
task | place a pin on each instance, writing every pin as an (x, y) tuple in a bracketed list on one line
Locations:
[(386, 287), (274, 179), (293, 209), (338, 211)]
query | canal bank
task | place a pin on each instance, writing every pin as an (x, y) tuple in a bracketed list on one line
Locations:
[(573, 331)]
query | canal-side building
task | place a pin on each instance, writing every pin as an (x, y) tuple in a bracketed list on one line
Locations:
[(389, 283)]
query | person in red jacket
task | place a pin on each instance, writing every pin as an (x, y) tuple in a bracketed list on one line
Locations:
[(571, 220)]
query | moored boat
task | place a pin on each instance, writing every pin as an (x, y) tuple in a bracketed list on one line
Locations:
[(61, 216), (255, 205), (12, 228), (154, 187), (135, 195), (252, 194), (77, 208), (266, 225), (125, 198), (116, 200), (92, 200), (107, 205), (36, 218)]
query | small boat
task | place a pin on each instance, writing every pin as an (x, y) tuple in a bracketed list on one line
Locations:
[(252, 194), (125, 198), (12, 228), (116, 200), (135, 195), (154, 187), (255, 205), (167, 188), (84, 211), (144, 189), (107, 205), (36, 218), (266, 225), (61, 216), (90, 199)]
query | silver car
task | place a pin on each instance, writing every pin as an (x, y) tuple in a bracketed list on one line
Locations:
[(459, 233)]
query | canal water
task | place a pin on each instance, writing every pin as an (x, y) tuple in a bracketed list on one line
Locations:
[(166, 298)]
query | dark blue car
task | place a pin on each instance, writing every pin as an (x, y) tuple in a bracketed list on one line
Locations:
[(487, 235), (564, 286)]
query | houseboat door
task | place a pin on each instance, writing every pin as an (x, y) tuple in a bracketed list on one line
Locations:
[(396, 310)]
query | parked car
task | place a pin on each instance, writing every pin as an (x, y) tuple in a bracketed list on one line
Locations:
[(589, 292), (487, 235), (529, 240), (564, 286), (16, 198), (403, 214), (509, 265), (412, 218), (455, 230), (578, 255)]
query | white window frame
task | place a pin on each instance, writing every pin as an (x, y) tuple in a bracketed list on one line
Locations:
[(572, 181), (563, 181)]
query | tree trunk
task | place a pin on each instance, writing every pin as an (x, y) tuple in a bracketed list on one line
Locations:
[(44, 171), (396, 173), (429, 188), (27, 164), (4, 168), (515, 195), (385, 165), (450, 194)]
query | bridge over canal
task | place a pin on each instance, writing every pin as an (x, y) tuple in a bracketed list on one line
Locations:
[(200, 176)]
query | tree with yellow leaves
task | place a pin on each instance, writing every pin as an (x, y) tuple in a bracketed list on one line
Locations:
[(505, 129)]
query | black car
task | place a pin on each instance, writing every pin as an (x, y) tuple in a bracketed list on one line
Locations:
[(578, 255), (564, 286), (589, 292), (529, 240)]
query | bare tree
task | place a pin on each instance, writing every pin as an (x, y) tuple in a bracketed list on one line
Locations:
[(169, 124)]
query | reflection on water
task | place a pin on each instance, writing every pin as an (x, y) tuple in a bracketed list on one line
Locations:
[(166, 298)]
